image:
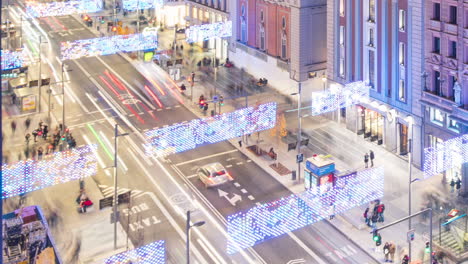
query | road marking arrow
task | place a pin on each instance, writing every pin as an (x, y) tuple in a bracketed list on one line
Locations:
[(235, 198)]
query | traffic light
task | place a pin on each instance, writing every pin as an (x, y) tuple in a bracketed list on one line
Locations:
[(86, 18), (377, 238), (428, 247), (201, 103), (221, 100), (102, 20), (63, 137), (114, 29)]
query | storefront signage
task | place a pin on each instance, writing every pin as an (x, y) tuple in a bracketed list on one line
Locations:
[(338, 97), (28, 103), (328, 168)]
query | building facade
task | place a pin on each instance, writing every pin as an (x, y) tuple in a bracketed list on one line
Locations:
[(445, 91), (282, 40), (380, 42)]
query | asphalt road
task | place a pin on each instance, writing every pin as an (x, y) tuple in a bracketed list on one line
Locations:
[(108, 89)]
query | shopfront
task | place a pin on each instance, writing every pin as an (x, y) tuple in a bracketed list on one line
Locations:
[(370, 124)]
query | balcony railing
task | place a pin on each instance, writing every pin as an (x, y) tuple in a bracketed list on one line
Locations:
[(451, 28), (451, 63), (447, 103), (435, 25)]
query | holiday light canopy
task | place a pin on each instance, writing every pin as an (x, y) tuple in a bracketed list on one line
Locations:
[(109, 45), (37, 9), (198, 132), (208, 31), (132, 5), (12, 59), (269, 220), (452, 153), (60, 167), (154, 253), (338, 97)]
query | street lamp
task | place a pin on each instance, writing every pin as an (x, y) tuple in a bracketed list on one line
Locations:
[(116, 135), (409, 119), (324, 80), (187, 232), (299, 124)]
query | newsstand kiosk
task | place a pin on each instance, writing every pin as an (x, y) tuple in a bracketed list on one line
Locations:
[(319, 173)]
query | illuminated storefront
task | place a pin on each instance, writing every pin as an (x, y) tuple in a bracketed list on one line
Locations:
[(370, 124)]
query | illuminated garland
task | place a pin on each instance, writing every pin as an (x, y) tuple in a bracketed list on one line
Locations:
[(132, 5), (189, 135), (59, 167), (154, 253), (12, 59), (269, 220), (208, 31), (338, 97), (108, 45), (452, 153), (35, 9)]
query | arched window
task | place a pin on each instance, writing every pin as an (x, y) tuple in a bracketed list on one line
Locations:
[(262, 37), (283, 23), (283, 46)]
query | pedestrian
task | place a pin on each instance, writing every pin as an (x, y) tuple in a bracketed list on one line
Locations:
[(13, 98), (392, 251), (366, 216), (192, 75), (374, 220), (40, 124), (386, 251), (182, 47), (452, 185), (371, 155), (240, 142), (35, 133), (27, 123), (27, 137), (366, 159), (380, 211), (13, 126), (40, 151), (45, 131), (331, 211), (405, 260), (458, 185)]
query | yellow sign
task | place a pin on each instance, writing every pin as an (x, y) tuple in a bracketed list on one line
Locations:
[(29, 102)]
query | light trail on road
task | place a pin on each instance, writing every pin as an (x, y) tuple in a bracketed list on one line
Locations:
[(100, 141), (153, 96)]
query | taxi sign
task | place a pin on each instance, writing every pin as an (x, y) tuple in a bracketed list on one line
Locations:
[(453, 213)]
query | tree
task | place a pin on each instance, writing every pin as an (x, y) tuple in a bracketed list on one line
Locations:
[(279, 130)]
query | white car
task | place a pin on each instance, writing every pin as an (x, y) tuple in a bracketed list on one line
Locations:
[(213, 174)]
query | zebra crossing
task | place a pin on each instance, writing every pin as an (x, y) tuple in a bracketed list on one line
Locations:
[(108, 191)]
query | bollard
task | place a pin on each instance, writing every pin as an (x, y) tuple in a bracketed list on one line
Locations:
[(293, 175)]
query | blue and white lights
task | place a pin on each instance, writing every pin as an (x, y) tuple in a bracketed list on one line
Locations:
[(36, 9), (132, 5), (108, 45), (60, 167), (208, 31), (247, 229), (12, 59), (338, 97), (449, 154), (189, 135), (154, 253)]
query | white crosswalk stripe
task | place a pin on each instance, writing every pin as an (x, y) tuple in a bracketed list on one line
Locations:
[(108, 191)]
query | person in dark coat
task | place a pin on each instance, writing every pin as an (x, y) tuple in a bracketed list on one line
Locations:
[(371, 155), (366, 216), (366, 159)]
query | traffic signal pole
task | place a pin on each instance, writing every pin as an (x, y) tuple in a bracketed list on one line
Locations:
[(408, 218)]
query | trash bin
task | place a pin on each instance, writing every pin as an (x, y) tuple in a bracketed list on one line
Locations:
[(293, 175), (212, 113)]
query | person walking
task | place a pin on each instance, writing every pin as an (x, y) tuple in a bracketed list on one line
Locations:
[(27, 123), (458, 185), (35, 133), (45, 131), (40, 151), (28, 138), (392, 250), (371, 155), (374, 220), (405, 260), (240, 142), (366, 216), (452, 185), (13, 126), (380, 211), (192, 76), (386, 251), (366, 159)]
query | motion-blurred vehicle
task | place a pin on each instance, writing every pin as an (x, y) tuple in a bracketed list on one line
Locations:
[(213, 174)]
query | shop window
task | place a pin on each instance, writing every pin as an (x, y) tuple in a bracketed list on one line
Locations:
[(437, 116), (262, 37), (454, 125), (402, 53), (371, 10), (436, 45), (402, 20), (371, 37), (371, 69), (436, 11), (402, 91), (342, 8), (437, 82), (453, 15), (452, 49)]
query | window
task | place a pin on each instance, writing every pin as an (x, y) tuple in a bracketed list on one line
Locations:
[(436, 45), (371, 37), (371, 68), (452, 49), (402, 91), (437, 82), (342, 7), (283, 46), (402, 20), (401, 53), (437, 117), (436, 12), (342, 52), (453, 15), (261, 17), (262, 37), (454, 125), (342, 35), (372, 10), (283, 23)]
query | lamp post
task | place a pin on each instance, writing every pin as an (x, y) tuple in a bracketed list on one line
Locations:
[(299, 127), (187, 233), (63, 100), (116, 135), (324, 80), (410, 180)]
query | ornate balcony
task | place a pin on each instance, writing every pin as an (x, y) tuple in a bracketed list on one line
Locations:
[(451, 28), (435, 25), (451, 63)]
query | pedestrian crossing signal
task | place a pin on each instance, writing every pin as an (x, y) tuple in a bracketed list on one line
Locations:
[(377, 238), (428, 247)]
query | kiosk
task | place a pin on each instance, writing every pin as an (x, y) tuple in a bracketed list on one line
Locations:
[(319, 173)]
